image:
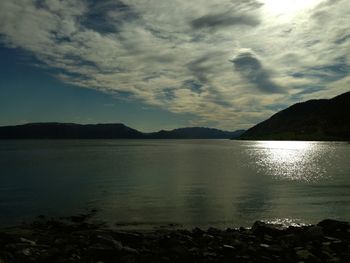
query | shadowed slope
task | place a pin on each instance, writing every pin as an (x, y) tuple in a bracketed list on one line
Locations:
[(310, 120), (105, 131)]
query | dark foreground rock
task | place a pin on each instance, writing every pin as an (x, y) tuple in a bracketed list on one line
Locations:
[(79, 241)]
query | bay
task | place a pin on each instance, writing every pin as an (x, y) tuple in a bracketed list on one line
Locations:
[(149, 183)]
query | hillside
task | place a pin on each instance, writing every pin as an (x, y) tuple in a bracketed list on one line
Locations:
[(105, 131), (195, 133), (68, 131), (311, 120)]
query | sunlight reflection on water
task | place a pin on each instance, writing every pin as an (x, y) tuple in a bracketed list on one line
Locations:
[(286, 222), (291, 160)]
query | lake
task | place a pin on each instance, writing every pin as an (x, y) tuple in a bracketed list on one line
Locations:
[(149, 183)]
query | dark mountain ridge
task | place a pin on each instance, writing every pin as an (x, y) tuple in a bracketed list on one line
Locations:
[(195, 133), (54, 130), (311, 120)]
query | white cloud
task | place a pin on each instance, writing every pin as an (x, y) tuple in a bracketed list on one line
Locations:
[(155, 50)]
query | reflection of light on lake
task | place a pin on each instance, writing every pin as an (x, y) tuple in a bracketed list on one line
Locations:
[(291, 160), (285, 222)]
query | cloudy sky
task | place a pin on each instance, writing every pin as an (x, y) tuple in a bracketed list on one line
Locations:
[(169, 63)]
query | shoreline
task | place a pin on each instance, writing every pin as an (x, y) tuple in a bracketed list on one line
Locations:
[(75, 239)]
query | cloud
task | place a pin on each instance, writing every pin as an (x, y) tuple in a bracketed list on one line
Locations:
[(252, 69), (203, 67), (223, 20), (108, 16), (176, 54)]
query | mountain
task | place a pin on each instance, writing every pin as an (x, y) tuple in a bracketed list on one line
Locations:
[(105, 131), (311, 120), (68, 131), (195, 133)]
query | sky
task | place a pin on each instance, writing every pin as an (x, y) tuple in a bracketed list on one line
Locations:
[(162, 64)]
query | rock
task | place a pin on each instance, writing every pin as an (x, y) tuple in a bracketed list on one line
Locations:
[(228, 250), (179, 250), (6, 239), (304, 254), (30, 242), (193, 250), (314, 232), (264, 245), (59, 241), (67, 242), (291, 240), (209, 254), (275, 249), (108, 241), (79, 218), (239, 244), (26, 252), (261, 228), (128, 237), (208, 237), (129, 250), (339, 246), (228, 247), (213, 231), (335, 228), (69, 248), (268, 238), (99, 252), (197, 232), (329, 257)]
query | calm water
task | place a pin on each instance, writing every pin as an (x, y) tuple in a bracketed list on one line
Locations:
[(190, 182)]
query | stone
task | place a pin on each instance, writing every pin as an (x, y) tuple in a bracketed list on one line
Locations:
[(129, 250), (261, 228), (228, 247), (335, 228), (268, 238), (304, 254), (108, 241), (197, 232), (30, 242), (314, 232), (275, 248), (70, 242), (264, 245), (213, 231), (128, 237), (193, 250), (79, 218), (209, 254), (26, 252)]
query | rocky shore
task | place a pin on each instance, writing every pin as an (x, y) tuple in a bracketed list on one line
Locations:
[(76, 240)]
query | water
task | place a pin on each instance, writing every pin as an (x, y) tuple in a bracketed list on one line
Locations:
[(147, 183)]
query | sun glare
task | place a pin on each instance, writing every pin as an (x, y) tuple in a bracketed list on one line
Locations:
[(285, 145), (288, 8), (290, 160)]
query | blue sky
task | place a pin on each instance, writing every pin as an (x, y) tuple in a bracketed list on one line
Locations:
[(31, 93), (165, 64)]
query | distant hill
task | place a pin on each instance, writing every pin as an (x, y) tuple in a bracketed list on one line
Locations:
[(310, 120), (68, 131), (195, 133), (105, 131)]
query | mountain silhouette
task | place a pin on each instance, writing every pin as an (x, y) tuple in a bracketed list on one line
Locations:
[(68, 131), (195, 133), (311, 120), (53, 130)]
